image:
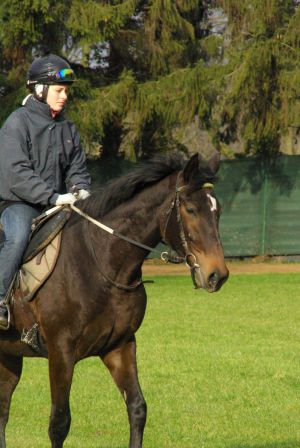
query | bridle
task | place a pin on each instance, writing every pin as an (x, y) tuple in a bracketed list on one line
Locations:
[(189, 258)]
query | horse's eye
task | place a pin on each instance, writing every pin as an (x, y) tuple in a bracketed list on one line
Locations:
[(191, 210)]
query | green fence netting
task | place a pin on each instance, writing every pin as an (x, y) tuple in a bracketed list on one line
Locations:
[(260, 199), (261, 206)]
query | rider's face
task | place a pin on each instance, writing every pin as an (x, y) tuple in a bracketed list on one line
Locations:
[(57, 97)]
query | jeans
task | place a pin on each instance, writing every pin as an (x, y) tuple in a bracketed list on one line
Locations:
[(16, 223)]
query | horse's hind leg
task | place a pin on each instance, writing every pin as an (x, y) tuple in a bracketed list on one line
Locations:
[(61, 367), (121, 363), (10, 373)]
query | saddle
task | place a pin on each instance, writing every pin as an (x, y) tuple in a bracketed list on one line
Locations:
[(40, 255)]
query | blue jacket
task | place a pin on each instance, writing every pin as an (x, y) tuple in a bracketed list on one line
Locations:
[(40, 156)]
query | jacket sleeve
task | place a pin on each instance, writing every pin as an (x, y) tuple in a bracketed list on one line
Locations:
[(17, 168), (77, 174)]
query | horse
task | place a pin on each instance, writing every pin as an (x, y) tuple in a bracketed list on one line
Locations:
[(94, 300)]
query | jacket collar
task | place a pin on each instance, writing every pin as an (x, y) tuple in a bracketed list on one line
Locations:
[(38, 107)]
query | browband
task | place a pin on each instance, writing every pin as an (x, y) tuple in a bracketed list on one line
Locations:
[(184, 187)]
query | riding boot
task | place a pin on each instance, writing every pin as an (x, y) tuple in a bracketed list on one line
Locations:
[(3, 315)]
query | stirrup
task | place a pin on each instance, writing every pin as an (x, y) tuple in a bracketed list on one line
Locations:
[(2, 327)]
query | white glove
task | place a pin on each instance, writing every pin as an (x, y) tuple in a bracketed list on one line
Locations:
[(64, 199), (83, 194)]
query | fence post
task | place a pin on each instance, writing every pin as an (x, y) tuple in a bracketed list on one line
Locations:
[(265, 205)]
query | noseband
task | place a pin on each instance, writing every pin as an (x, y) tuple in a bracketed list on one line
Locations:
[(189, 258)]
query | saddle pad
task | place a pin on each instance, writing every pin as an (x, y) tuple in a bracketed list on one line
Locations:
[(35, 272)]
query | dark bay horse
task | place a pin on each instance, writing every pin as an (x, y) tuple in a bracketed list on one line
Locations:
[(94, 301)]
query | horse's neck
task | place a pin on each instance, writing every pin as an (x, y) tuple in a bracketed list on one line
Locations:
[(139, 217), (139, 220)]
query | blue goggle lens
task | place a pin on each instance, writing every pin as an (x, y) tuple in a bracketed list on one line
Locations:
[(65, 73)]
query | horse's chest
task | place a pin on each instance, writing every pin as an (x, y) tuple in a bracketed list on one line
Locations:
[(129, 312)]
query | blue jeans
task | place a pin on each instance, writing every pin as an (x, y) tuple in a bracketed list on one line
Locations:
[(16, 223)]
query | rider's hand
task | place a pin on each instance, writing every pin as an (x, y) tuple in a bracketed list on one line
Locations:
[(83, 194), (65, 199)]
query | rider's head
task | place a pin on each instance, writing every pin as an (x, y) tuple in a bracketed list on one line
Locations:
[(48, 78)]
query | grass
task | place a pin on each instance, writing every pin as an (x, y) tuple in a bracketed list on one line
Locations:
[(217, 371)]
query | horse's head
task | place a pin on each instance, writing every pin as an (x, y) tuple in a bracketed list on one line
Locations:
[(191, 227)]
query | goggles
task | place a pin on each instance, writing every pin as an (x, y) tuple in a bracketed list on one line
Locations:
[(65, 74)]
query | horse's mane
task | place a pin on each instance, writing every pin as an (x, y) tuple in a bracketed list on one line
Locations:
[(144, 174)]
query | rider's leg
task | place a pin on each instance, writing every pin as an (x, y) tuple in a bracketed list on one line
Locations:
[(16, 223)]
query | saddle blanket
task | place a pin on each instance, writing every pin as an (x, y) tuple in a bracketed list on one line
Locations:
[(41, 254), (35, 272)]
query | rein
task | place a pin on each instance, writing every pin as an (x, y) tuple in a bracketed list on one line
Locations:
[(165, 256), (172, 259)]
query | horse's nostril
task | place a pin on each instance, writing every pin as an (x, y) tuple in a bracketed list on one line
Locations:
[(213, 278)]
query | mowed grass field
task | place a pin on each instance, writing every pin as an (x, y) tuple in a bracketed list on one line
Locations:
[(217, 370)]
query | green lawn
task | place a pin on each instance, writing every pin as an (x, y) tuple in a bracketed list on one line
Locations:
[(217, 370)]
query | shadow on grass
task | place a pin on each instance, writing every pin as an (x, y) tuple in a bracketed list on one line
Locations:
[(283, 444)]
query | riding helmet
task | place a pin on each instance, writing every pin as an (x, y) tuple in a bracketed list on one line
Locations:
[(49, 70)]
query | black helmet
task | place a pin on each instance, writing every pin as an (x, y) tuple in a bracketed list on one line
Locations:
[(50, 69)]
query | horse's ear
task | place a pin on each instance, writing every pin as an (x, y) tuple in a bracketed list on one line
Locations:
[(214, 162), (191, 168)]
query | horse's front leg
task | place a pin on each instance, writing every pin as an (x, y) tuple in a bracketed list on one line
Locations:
[(10, 373), (121, 363), (61, 368)]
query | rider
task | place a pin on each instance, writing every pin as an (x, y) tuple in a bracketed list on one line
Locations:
[(41, 162)]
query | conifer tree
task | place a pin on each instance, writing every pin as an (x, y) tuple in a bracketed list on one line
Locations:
[(147, 68), (260, 102)]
